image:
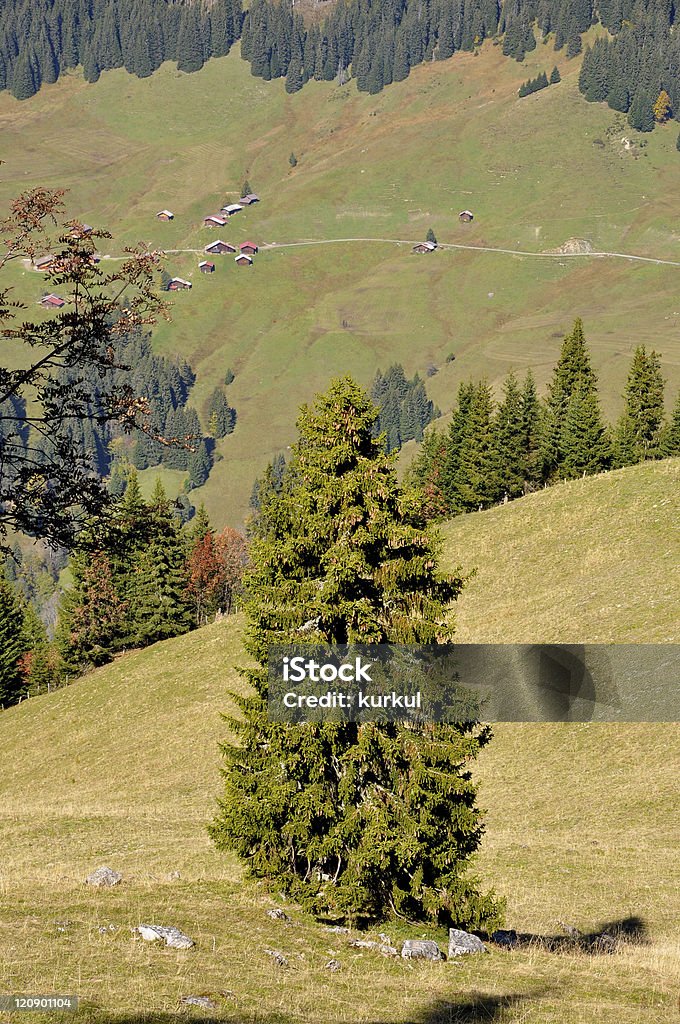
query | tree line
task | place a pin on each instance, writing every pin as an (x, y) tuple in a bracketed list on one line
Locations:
[(374, 43), (636, 71), (497, 451), (41, 39), (147, 577)]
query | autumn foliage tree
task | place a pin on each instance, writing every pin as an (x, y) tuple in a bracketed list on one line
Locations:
[(662, 107), (47, 487), (215, 570)]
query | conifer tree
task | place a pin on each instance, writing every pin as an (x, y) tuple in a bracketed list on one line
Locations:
[(669, 444), (584, 441), (12, 645), (477, 480), (190, 55), (510, 439), (573, 379), (156, 589), (531, 431), (352, 820), (641, 114), (431, 237), (639, 428), (91, 626), (555, 76)]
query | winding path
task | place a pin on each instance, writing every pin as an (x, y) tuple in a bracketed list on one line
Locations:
[(453, 245)]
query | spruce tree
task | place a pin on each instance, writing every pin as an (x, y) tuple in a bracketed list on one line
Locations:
[(584, 441), (573, 378), (510, 440), (12, 645), (477, 481), (159, 606), (190, 55), (641, 114), (431, 237), (670, 439), (531, 432), (352, 820), (639, 429), (555, 76)]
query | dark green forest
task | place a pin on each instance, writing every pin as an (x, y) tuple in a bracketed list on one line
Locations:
[(375, 42), (41, 39)]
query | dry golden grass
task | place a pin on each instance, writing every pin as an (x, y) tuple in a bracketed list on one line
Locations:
[(122, 768)]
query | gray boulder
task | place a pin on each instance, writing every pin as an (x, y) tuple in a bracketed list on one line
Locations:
[(333, 965), (421, 949), (278, 957), (203, 1001), (172, 936), (381, 947), (277, 914), (104, 878), (461, 943)]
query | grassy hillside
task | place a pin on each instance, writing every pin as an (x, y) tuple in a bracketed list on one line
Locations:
[(591, 560), (122, 768), (535, 172)]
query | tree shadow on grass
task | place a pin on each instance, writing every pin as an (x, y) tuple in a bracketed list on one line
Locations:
[(608, 938), (476, 1008)]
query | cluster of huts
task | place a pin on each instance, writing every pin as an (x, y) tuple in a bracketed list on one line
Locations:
[(243, 253)]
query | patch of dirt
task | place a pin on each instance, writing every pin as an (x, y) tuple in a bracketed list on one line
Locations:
[(574, 247)]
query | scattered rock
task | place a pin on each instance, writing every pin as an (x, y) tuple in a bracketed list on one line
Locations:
[(172, 936), (337, 929), (104, 877), (172, 876), (381, 947), (421, 949), (574, 247), (277, 956), (277, 914), (569, 930), (508, 938), (204, 1001), (385, 938), (461, 942), (604, 943), (333, 965)]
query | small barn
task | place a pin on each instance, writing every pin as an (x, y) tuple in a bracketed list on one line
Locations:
[(206, 267), (425, 247), (231, 209), (179, 284), (51, 301), (248, 248), (214, 221), (165, 215), (249, 199), (219, 248), (44, 262), (466, 216), (244, 260)]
